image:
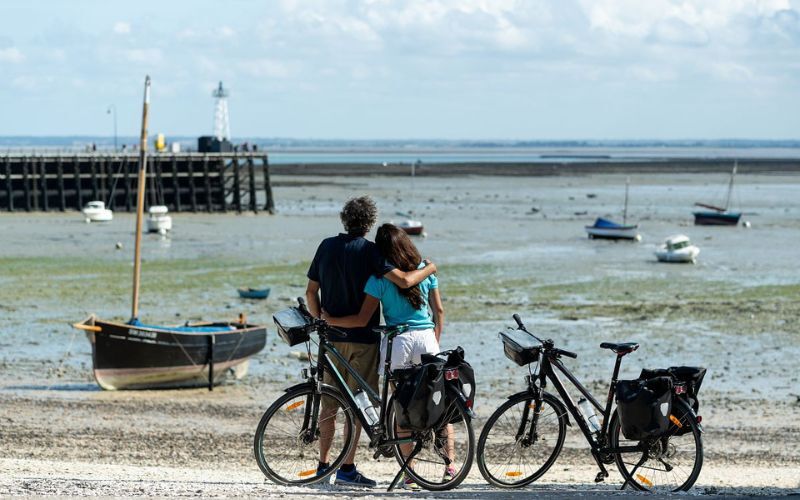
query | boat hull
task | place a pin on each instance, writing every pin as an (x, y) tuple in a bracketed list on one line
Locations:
[(620, 233), (716, 219), (683, 255), (137, 357), (159, 223), (252, 293)]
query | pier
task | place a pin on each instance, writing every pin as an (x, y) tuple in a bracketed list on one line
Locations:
[(184, 182)]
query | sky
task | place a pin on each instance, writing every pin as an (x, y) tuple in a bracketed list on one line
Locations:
[(391, 69)]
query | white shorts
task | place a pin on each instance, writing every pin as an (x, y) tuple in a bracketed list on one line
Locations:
[(408, 348)]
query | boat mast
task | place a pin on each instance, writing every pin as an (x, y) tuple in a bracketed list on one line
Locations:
[(625, 212), (730, 185), (137, 253)]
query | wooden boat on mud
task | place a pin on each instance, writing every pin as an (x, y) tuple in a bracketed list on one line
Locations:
[(135, 355), (718, 216)]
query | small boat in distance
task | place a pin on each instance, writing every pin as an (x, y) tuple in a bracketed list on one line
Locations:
[(158, 219), (96, 211), (677, 248), (254, 293), (411, 227), (610, 230), (718, 216)]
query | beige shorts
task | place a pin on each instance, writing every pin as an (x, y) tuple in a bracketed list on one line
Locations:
[(362, 357), (408, 348)]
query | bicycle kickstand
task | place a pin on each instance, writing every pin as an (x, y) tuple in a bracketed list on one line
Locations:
[(403, 469)]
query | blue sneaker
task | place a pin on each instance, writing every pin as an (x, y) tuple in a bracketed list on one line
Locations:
[(322, 469), (353, 478)]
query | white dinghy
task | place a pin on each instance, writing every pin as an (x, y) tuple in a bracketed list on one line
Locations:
[(96, 211), (677, 248), (158, 219)]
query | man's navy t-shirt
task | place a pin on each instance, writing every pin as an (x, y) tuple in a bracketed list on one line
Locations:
[(342, 266)]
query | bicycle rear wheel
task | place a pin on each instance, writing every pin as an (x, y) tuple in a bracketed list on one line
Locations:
[(287, 450), (446, 445), (671, 463), (507, 458)]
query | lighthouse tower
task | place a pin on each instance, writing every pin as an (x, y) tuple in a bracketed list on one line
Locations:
[(222, 125)]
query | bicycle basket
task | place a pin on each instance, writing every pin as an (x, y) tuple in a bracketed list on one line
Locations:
[(293, 325), (520, 347)]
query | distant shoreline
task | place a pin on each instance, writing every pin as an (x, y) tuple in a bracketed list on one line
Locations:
[(538, 169)]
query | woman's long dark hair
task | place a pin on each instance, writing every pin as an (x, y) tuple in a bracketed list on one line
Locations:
[(397, 248)]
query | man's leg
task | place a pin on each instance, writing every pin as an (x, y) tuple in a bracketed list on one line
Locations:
[(327, 413), (364, 359)]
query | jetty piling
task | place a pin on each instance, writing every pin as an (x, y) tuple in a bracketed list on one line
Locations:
[(185, 181)]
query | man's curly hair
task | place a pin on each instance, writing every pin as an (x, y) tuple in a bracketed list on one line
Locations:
[(359, 215)]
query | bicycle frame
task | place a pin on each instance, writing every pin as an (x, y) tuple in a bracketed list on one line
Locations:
[(550, 365), (376, 431)]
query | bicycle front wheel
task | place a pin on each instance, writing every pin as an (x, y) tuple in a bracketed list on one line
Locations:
[(286, 445), (510, 453), (669, 463), (445, 457)]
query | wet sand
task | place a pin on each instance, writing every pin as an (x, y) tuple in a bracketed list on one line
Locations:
[(503, 245)]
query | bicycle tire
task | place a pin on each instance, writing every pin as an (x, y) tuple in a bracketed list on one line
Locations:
[(640, 481), (454, 411), (305, 474), (493, 474)]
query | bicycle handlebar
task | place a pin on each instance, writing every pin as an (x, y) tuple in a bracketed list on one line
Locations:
[(547, 344), (562, 352)]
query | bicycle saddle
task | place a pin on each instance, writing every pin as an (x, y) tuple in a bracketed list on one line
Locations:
[(621, 348)]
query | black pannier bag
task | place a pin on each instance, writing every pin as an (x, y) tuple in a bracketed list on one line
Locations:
[(691, 377), (419, 396), (466, 379), (293, 325), (644, 407), (520, 347)]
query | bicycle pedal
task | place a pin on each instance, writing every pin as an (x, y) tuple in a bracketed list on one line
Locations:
[(600, 477)]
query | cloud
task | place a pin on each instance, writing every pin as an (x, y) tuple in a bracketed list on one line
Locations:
[(122, 28), (11, 55), (147, 56)]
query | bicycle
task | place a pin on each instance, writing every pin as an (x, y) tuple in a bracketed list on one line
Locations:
[(287, 438), (529, 428)]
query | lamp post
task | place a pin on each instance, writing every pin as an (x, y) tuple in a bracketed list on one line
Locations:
[(109, 112)]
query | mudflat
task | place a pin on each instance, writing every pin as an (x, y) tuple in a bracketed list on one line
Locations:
[(503, 245)]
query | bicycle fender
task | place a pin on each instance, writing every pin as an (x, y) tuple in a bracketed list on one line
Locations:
[(461, 400), (688, 408), (562, 410)]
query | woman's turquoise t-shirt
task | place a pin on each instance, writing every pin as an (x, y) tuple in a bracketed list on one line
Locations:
[(397, 310)]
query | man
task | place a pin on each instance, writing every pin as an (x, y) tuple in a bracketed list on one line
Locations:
[(336, 279)]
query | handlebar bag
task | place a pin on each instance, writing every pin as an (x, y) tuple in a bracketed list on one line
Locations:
[(644, 407), (292, 325), (419, 397)]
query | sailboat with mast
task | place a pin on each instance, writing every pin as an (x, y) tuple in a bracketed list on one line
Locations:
[(610, 230), (411, 226), (135, 355), (719, 216)]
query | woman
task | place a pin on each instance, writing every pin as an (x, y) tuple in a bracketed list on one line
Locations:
[(419, 307)]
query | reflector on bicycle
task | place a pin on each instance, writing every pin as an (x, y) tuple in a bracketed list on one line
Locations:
[(513, 473), (307, 472), (294, 405), (674, 420), (451, 374), (644, 480)]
